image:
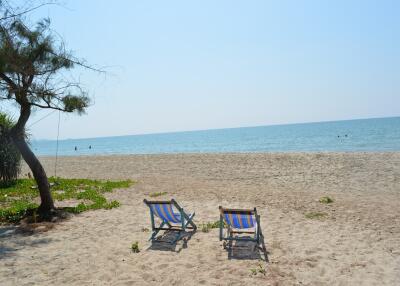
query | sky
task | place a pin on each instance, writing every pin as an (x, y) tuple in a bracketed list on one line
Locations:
[(193, 65)]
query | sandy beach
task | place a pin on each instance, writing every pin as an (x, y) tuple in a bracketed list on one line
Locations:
[(356, 242)]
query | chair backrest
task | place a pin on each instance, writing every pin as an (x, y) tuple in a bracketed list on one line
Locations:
[(239, 218), (164, 210)]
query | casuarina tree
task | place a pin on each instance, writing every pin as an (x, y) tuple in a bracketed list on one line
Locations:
[(33, 67)]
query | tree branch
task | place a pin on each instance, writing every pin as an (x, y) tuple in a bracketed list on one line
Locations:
[(48, 106), (8, 80), (26, 11)]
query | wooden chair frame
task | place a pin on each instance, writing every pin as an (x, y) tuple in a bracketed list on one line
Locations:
[(186, 220), (231, 231)]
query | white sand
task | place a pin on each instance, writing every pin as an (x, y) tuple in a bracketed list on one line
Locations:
[(357, 243)]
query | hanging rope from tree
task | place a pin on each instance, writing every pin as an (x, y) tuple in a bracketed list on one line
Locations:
[(58, 134)]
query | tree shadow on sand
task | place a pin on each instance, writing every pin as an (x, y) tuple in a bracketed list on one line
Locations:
[(168, 241), (14, 238), (247, 250)]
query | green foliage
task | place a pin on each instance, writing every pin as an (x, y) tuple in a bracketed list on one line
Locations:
[(16, 211), (315, 215), (260, 269), (326, 200), (33, 65), (18, 199), (34, 73), (10, 157), (206, 227), (158, 194), (135, 247)]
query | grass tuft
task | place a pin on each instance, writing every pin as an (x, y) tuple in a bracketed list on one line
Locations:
[(326, 200), (315, 215), (206, 227), (135, 247), (259, 269), (158, 194)]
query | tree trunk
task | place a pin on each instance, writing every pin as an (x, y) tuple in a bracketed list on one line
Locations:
[(47, 204), (18, 137)]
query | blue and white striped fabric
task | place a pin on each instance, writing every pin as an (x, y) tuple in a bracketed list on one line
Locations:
[(165, 212), (239, 220)]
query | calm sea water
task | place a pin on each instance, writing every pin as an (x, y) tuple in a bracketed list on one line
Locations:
[(381, 134)]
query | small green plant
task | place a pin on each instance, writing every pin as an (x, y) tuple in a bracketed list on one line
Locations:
[(206, 227), (158, 194), (259, 269), (135, 247), (315, 215), (262, 270), (326, 200)]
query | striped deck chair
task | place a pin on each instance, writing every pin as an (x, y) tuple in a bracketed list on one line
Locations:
[(172, 217), (240, 221)]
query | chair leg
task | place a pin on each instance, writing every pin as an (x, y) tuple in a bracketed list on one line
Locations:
[(190, 221), (221, 228), (178, 237), (230, 241), (153, 235), (155, 232)]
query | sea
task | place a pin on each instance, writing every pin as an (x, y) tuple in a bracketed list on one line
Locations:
[(361, 135)]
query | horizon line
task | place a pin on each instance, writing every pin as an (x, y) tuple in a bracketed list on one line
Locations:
[(216, 129)]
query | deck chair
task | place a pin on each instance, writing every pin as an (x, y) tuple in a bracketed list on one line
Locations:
[(240, 221), (172, 217)]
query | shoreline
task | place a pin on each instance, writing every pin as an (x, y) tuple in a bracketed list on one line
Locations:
[(224, 153)]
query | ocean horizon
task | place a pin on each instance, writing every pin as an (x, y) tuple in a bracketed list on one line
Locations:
[(375, 134)]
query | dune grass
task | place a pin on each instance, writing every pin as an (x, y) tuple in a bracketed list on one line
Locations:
[(21, 198)]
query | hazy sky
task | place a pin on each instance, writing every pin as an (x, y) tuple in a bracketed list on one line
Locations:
[(188, 65)]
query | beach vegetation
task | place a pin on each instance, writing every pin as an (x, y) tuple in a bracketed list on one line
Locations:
[(34, 69), (21, 199), (207, 226), (10, 157), (315, 215), (157, 194), (135, 247), (326, 200), (260, 269)]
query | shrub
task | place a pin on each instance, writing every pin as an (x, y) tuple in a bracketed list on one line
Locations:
[(10, 157)]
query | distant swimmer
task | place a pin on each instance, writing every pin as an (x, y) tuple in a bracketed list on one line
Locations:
[(76, 148), (90, 146), (338, 136), (345, 135)]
